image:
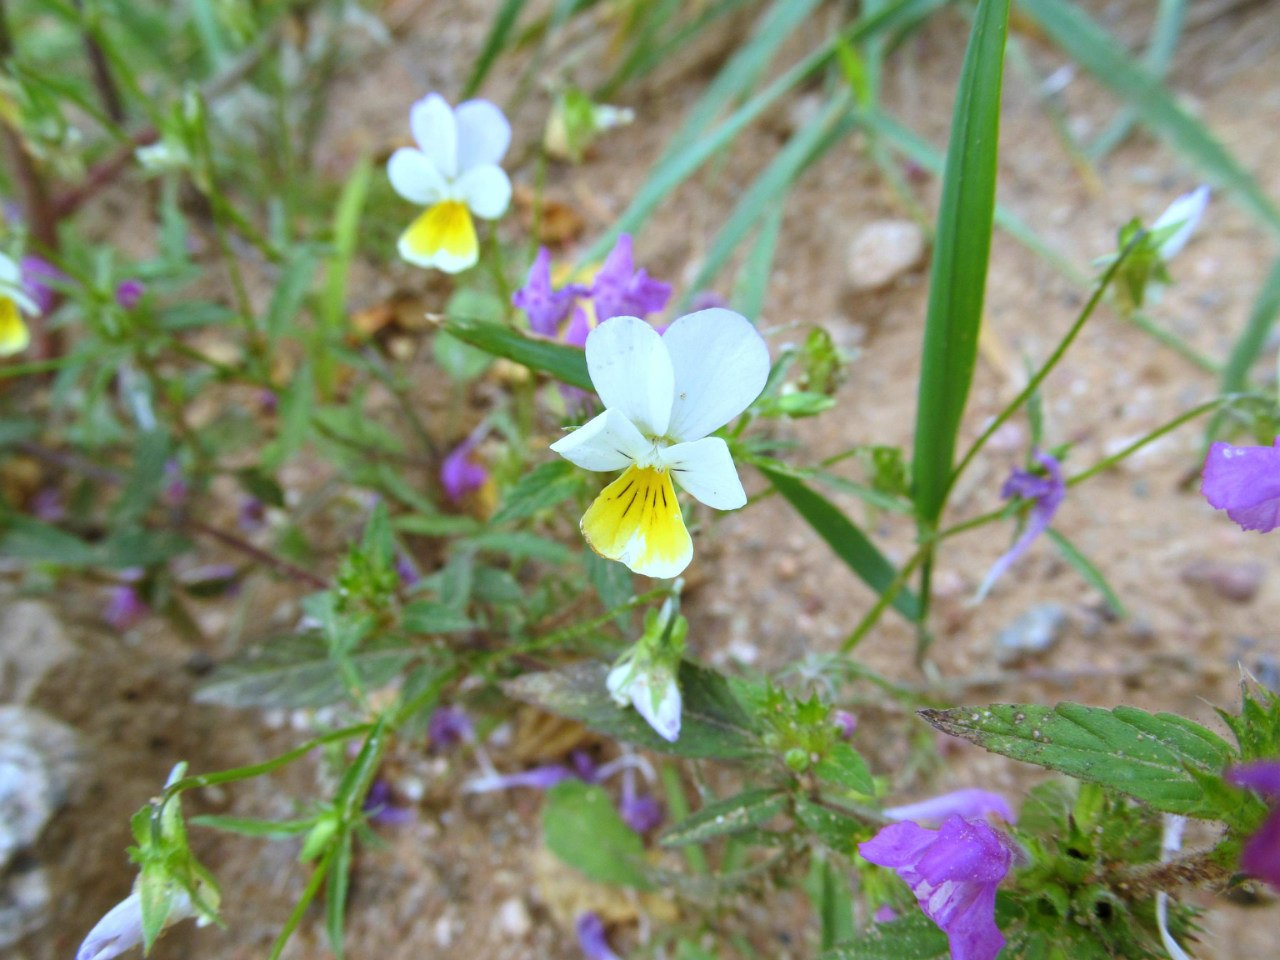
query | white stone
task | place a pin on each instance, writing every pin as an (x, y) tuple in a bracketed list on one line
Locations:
[(883, 251)]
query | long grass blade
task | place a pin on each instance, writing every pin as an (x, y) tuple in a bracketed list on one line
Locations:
[(957, 281), (753, 279), (503, 23), (1248, 348), (1113, 67)]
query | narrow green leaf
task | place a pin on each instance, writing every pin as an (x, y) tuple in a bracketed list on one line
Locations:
[(253, 827), (753, 278), (427, 616), (290, 291), (713, 722), (146, 478), (582, 828), (37, 542), (567, 364), (543, 487), (1115, 68), (845, 766), (957, 281), (848, 542), (914, 937), (835, 904), (1153, 757), (522, 545), (336, 889), (724, 817), (1253, 339), (496, 41), (834, 828), (1085, 567)]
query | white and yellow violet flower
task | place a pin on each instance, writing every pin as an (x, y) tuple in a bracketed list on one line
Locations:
[(663, 394), (454, 173), (14, 302)]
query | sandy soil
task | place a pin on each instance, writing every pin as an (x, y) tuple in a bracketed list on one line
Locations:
[(466, 879)]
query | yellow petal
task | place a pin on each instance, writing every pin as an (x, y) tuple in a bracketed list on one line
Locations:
[(443, 237), (14, 336), (637, 520)]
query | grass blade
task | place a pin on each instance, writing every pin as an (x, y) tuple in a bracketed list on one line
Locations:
[(1085, 567), (1113, 67), (494, 44), (753, 278), (844, 537), (957, 281), (1248, 348)]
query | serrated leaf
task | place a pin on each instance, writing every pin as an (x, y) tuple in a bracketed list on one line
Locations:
[(297, 671), (724, 817), (427, 616), (582, 828), (912, 938), (836, 829), (845, 766), (713, 723), (544, 486), (1152, 757)]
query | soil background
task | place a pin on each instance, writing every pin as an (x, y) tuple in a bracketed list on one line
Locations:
[(466, 878)]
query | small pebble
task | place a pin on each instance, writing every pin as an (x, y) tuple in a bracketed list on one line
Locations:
[(513, 918), (883, 251), (1236, 582), (1035, 632)]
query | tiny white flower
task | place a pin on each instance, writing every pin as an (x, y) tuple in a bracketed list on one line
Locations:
[(653, 691), (121, 928), (454, 173), (14, 302), (1186, 211), (663, 394)]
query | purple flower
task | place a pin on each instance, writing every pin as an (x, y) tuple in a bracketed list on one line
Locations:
[(845, 722), (1245, 482), (252, 515), (591, 939), (459, 474), (545, 306), (379, 807), (1261, 854), (620, 290), (641, 812), (449, 726), (129, 293), (175, 487), (538, 778), (1047, 491), (953, 872), (971, 803), (125, 608), (39, 278)]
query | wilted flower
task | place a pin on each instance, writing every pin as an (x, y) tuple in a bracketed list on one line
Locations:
[(454, 173), (1245, 482), (460, 474), (590, 929), (1261, 854), (663, 395), (1047, 491), (121, 928), (575, 121), (14, 302), (129, 293), (652, 689), (970, 803), (953, 872), (379, 806)]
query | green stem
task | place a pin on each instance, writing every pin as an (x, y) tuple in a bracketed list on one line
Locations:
[(300, 909)]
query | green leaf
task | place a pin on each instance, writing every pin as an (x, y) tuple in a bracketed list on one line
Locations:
[(286, 301), (957, 280), (37, 542), (836, 829), (496, 41), (427, 616), (1085, 567), (297, 671), (724, 817), (146, 478), (1152, 757), (582, 828), (1113, 66), (543, 487), (845, 766), (253, 827), (1252, 341), (337, 887), (713, 723), (520, 545), (843, 536), (753, 276), (567, 364), (914, 937)]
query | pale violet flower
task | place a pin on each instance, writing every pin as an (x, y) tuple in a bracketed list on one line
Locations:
[(454, 173), (970, 803), (663, 394), (14, 302), (1184, 214), (652, 689), (121, 928)]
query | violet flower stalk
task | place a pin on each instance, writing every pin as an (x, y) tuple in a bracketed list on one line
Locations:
[(1047, 491), (953, 872), (1261, 854), (1245, 482)]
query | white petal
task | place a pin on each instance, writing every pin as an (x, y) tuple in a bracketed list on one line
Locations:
[(720, 363), (664, 717), (705, 468), (631, 370), (607, 442), (618, 683), (483, 134), (1186, 210), (10, 272), (486, 190), (119, 930), (432, 121), (415, 177)]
